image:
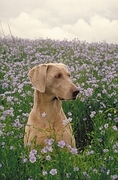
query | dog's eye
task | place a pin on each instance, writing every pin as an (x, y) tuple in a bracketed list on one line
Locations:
[(68, 75), (58, 75)]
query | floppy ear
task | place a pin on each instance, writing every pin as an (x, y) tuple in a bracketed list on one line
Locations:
[(37, 77)]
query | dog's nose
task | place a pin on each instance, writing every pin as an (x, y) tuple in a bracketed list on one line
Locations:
[(75, 93)]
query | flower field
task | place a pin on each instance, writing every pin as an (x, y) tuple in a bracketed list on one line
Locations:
[(94, 114)]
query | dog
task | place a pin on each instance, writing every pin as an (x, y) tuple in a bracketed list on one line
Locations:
[(52, 84)]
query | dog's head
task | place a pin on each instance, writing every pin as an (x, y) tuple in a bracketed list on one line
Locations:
[(53, 79)]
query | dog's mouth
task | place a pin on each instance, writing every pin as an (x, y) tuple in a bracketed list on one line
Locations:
[(58, 98), (61, 99)]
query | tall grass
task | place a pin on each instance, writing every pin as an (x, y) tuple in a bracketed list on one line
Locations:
[(94, 114)]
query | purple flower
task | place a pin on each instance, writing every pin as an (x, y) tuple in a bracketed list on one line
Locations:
[(2, 108), (116, 119), (33, 151), (17, 124), (61, 144), (88, 92), (46, 149), (32, 159), (113, 177), (53, 171), (9, 98), (68, 146), (32, 155), (74, 150), (43, 114), (9, 112), (24, 160), (49, 142), (44, 173)]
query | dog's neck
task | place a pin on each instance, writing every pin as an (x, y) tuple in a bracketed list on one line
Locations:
[(43, 103)]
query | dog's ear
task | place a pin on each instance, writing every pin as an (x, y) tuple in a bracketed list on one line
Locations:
[(37, 77)]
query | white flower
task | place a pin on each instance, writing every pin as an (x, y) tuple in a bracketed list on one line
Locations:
[(69, 119), (105, 150), (89, 152), (3, 143), (92, 114), (30, 178), (95, 170), (100, 111), (65, 122), (11, 147), (116, 151), (69, 113), (108, 172), (1, 133), (106, 126), (102, 132), (114, 128), (68, 175), (28, 144), (76, 169), (99, 95), (48, 157), (101, 128)]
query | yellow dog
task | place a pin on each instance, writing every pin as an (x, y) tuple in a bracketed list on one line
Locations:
[(46, 120)]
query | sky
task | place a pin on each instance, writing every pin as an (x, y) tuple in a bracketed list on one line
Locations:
[(86, 20)]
